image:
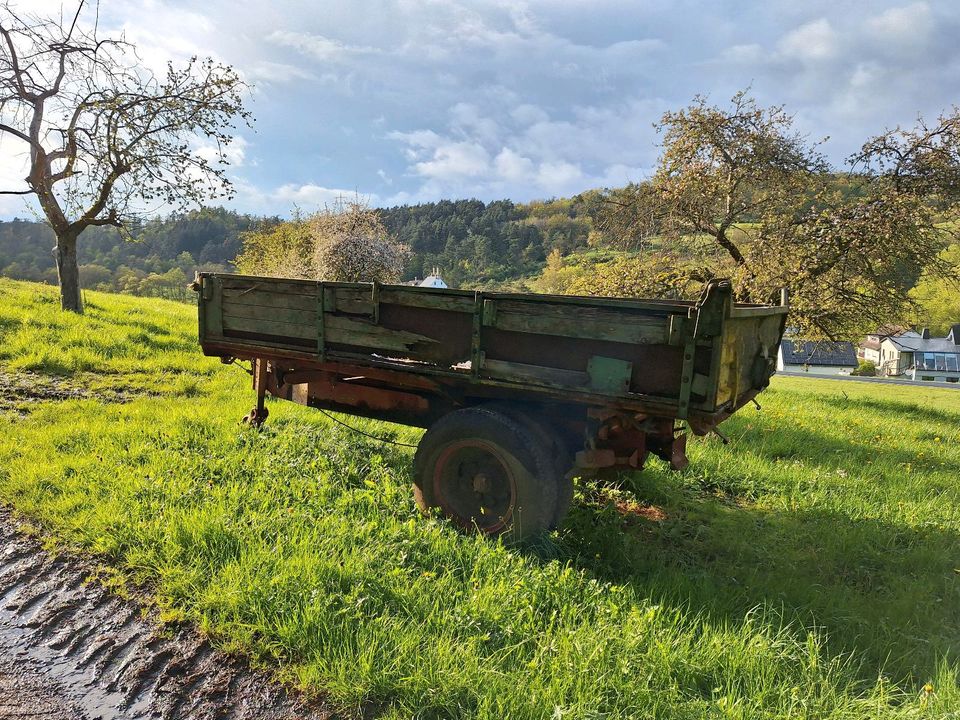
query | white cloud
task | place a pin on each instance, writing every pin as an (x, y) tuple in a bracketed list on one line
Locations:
[(455, 161), (528, 154), (905, 28), (276, 72), (560, 178), (310, 196), (513, 167), (14, 163), (814, 41), (235, 153), (318, 47), (533, 97)]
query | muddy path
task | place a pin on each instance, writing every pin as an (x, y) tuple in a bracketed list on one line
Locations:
[(70, 650), (20, 391)]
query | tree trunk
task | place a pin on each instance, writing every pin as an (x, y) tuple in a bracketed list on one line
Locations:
[(68, 273)]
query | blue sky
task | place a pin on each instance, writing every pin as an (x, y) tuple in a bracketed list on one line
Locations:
[(407, 101)]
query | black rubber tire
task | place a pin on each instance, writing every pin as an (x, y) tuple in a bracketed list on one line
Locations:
[(561, 457), (506, 450)]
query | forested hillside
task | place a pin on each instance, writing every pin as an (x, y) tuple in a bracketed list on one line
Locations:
[(481, 244), (562, 245), (472, 242), (158, 259)]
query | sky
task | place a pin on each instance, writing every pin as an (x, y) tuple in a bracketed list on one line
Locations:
[(408, 101)]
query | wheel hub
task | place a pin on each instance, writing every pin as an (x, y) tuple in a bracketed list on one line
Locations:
[(474, 485), (481, 484)]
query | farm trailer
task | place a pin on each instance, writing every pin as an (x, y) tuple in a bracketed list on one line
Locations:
[(518, 392)]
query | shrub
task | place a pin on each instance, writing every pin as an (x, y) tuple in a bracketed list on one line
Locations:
[(866, 368)]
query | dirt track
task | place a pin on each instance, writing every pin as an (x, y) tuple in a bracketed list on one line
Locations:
[(69, 650)]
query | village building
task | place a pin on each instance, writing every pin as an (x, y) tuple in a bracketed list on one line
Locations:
[(869, 349), (917, 356), (433, 280), (817, 357)]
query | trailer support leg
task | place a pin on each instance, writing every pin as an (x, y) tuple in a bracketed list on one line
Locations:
[(258, 415)]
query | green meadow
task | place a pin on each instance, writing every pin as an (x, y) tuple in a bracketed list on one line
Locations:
[(809, 569)]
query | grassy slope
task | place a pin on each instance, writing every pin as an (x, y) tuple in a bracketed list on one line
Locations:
[(810, 568)]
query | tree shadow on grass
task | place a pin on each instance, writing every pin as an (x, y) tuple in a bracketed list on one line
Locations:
[(896, 408), (821, 450), (889, 593)]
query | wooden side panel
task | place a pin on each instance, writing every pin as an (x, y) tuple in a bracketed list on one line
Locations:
[(605, 347), (749, 350), (579, 321), (270, 311)]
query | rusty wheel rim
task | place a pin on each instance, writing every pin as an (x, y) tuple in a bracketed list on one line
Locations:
[(475, 485)]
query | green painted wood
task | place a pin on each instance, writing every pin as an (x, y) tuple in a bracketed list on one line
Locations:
[(686, 378), (610, 375), (363, 333), (235, 309), (270, 327), (476, 351), (214, 322), (552, 377), (656, 306), (275, 285), (589, 323), (269, 298), (745, 312), (411, 298), (321, 321), (349, 300)]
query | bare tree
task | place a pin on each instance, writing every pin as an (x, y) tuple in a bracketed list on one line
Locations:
[(108, 140)]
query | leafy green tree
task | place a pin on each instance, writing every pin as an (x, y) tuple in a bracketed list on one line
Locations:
[(284, 250), (937, 296), (107, 137), (739, 193)]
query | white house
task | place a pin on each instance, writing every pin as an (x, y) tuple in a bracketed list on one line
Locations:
[(920, 357), (433, 280), (870, 348), (817, 357)]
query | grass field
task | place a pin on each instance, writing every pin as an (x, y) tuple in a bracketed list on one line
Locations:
[(809, 569)]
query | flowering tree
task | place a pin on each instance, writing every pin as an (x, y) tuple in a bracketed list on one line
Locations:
[(353, 245), (346, 242)]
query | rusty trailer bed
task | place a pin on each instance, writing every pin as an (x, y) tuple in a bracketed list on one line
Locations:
[(612, 375)]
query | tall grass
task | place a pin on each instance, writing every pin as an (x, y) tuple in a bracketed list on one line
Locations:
[(808, 569)]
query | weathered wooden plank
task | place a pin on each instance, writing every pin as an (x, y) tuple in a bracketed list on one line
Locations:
[(653, 305), (269, 298), (270, 327), (411, 298), (744, 312), (236, 309), (355, 331), (348, 300), (270, 285), (213, 324), (581, 322), (554, 377)]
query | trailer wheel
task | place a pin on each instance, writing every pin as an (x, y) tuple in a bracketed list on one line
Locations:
[(551, 439), (487, 472)]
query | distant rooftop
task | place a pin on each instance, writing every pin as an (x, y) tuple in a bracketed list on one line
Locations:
[(433, 280), (885, 331), (934, 345), (818, 352)]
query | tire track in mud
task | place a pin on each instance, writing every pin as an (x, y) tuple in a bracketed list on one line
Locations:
[(69, 650)]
